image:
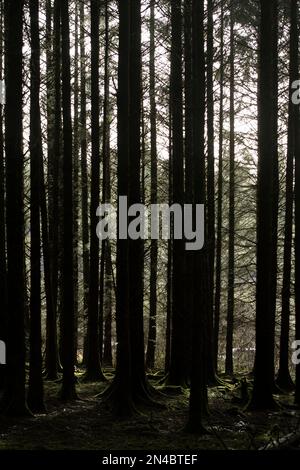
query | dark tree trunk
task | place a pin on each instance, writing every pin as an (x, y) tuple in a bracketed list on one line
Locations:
[(84, 178), (275, 196), (189, 175), (15, 397), (284, 380), (151, 346), (140, 388), (76, 179), (231, 251), (3, 272), (211, 374), (170, 259), (54, 156), (51, 354), (177, 369), (121, 391), (198, 393), (130, 386), (68, 391), (106, 249), (297, 219), (35, 390), (262, 397), (220, 199), (93, 366)]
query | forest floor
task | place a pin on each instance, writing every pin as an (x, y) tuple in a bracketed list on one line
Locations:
[(89, 424)]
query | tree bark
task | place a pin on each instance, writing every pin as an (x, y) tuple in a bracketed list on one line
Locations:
[(15, 397), (231, 250), (198, 391), (151, 346), (35, 391), (217, 304), (262, 397), (284, 380), (68, 391), (93, 366)]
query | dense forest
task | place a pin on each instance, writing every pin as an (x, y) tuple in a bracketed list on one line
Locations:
[(138, 341)]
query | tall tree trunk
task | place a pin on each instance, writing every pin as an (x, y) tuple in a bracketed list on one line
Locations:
[(54, 156), (198, 393), (76, 178), (68, 391), (151, 346), (130, 386), (262, 397), (106, 249), (140, 386), (84, 177), (231, 251), (121, 391), (297, 212), (35, 391), (15, 397), (210, 191), (177, 370), (220, 199), (93, 366), (284, 380), (189, 175), (3, 268)]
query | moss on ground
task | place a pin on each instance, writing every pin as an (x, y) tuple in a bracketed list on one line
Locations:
[(89, 424)]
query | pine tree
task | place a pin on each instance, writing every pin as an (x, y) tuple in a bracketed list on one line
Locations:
[(14, 401), (68, 391), (284, 380), (93, 367), (150, 357), (35, 390), (264, 358), (198, 392), (217, 299), (231, 251), (177, 368)]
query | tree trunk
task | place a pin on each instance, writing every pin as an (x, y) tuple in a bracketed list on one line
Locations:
[(54, 156), (84, 178), (121, 391), (93, 366), (3, 268), (68, 391), (35, 391), (189, 175), (230, 287), (76, 180), (198, 393), (177, 369), (15, 397), (262, 397), (284, 380), (151, 346), (106, 249), (211, 239), (297, 217), (220, 199)]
